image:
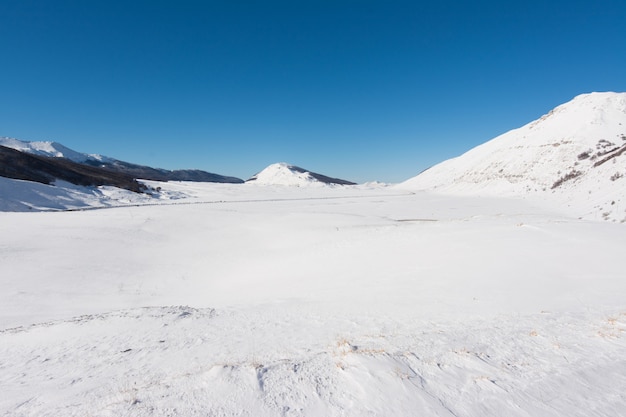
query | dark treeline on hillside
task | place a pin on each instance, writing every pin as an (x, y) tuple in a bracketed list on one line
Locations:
[(22, 166)]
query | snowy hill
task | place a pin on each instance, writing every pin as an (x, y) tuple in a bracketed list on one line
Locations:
[(52, 149), (48, 170), (285, 174), (56, 150), (573, 157)]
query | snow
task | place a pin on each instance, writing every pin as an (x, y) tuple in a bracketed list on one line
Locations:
[(286, 175), (557, 159), (223, 300), (19, 195), (490, 285), (51, 149)]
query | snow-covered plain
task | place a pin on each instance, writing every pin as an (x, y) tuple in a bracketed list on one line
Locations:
[(235, 300)]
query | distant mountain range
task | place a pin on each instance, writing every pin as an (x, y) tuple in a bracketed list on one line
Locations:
[(46, 161), (575, 156)]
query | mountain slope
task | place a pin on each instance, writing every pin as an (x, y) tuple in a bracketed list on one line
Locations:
[(46, 170), (51, 149), (285, 174), (575, 156), (56, 150), (159, 174)]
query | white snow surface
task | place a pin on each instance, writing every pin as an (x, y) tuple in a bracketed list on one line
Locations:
[(19, 195), (235, 300), (52, 149), (282, 173), (573, 158)]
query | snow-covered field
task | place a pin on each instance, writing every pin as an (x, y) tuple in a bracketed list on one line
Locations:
[(229, 300)]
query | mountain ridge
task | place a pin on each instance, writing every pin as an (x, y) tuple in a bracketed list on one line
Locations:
[(19, 165), (57, 150)]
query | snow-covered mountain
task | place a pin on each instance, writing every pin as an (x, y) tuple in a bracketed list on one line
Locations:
[(574, 156), (56, 150), (286, 174), (52, 149)]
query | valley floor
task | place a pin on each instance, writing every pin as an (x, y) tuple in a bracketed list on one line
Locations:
[(284, 301)]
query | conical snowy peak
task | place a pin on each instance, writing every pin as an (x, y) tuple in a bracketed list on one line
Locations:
[(576, 152), (286, 174)]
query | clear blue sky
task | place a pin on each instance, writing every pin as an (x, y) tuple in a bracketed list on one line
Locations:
[(362, 90)]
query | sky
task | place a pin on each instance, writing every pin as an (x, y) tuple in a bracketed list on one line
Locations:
[(361, 90)]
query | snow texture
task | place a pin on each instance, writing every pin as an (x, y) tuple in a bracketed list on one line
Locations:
[(231, 300)]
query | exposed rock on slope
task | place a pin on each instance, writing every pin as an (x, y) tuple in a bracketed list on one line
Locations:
[(575, 155), (285, 174)]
